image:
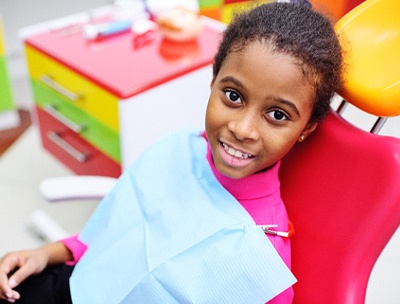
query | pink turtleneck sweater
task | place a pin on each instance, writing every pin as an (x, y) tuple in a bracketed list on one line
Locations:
[(260, 195)]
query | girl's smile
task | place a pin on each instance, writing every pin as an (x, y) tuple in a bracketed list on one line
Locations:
[(260, 105), (234, 157), (236, 153)]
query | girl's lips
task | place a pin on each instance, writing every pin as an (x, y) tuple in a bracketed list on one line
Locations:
[(234, 158)]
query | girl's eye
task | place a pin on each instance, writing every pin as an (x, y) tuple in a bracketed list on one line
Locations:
[(233, 96), (277, 115)]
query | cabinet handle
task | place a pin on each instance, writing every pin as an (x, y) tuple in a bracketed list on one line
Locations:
[(59, 141), (50, 82), (52, 111)]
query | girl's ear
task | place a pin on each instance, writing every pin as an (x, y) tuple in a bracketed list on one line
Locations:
[(307, 131)]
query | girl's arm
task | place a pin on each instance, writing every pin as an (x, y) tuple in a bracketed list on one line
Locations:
[(15, 267)]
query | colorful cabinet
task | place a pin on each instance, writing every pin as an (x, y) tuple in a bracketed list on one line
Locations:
[(8, 114), (224, 10), (101, 103)]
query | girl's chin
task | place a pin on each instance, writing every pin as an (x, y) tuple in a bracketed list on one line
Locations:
[(232, 171)]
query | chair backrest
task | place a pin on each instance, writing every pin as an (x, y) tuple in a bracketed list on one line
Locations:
[(373, 32), (341, 189)]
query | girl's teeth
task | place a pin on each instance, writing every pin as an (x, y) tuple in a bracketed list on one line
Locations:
[(235, 153)]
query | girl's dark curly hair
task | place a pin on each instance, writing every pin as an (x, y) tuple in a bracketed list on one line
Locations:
[(298, 31)]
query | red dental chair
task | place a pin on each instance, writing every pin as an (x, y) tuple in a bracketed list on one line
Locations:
[(342, 185), (342, 191), (373, 84)]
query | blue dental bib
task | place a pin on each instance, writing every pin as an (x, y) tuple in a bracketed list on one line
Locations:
[(170, 233)]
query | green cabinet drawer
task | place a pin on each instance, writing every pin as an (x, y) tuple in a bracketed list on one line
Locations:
[(89, 128)]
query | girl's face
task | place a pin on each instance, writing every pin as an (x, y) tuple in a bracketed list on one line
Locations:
[(260, 105)]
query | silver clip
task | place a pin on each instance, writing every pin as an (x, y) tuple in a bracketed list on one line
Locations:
[(267, 229)]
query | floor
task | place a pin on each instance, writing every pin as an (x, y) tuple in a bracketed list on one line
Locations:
[(25, 164)]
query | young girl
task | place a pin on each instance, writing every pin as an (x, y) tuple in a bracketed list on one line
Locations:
[(181, 225)]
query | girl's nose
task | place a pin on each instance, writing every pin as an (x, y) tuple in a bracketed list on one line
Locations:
[(244, 127)]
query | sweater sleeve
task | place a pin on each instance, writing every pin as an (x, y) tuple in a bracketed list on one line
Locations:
[(76, 247)]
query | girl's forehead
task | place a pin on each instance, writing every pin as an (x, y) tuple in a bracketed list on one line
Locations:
[(262, 51), (264, 56)]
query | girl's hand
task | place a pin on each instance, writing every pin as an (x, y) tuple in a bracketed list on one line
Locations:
[(17, 266)]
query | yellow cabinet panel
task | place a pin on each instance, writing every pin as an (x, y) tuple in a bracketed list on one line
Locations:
[(81, 92)]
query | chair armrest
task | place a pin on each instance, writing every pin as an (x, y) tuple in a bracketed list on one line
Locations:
[(76, 187)]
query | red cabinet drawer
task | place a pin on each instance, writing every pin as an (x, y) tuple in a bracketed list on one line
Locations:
[(72, 150)]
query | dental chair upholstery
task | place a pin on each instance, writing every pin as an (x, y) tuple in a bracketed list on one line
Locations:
[(341, 189)]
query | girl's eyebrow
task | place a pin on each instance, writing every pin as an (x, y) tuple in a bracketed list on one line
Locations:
[(277, 99), (234, 80), (289, 104)]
